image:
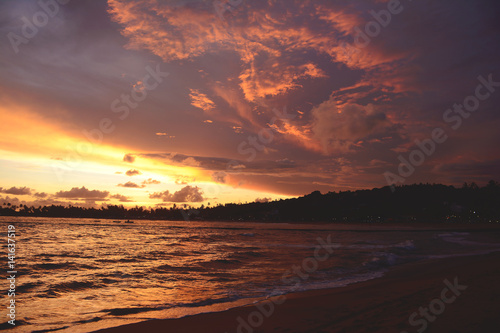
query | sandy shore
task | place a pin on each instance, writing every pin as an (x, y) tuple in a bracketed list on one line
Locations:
[(380, 305)]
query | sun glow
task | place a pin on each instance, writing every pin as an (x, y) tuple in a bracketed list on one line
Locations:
[(67, 160)]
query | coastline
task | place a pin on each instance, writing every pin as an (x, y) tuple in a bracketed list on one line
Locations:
[(379, 305)]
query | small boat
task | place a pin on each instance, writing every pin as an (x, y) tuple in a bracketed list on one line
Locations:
[(128, 221), (117, 221)]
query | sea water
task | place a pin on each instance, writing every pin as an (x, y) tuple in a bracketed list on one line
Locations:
[(78, 275)]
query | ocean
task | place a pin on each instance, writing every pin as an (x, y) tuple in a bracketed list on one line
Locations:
[(79, 275)]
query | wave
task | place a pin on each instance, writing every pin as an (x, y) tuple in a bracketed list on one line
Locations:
[(19, 322), (119, 260), (128, 311), (326, 284), (181, 269), (28, 286), (220, 263), (247, 255), (50, 266), (209, 302), (92, 320), (57, 266), (382, 260), (58, 289)]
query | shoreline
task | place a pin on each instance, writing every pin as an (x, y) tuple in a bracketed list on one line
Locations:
[(344, 226), (378, 305), (418, 224)]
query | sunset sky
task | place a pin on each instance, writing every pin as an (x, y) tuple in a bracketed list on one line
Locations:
[(149, 102)]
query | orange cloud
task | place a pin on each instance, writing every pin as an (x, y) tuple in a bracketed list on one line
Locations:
[(183, 32), (160, 32), (201, 101), (258, 83), (300, 135), (236, 101)]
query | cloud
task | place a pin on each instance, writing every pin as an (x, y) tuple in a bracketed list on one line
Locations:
[(268, 80), (279, 53), (460, 168), (190, 161), (16, 190), (183, 180), (237, 129), (121, 198), (151, 181), (186, 194), (41, 202), (286, 162), (263, 55), (298, 134), (339, 128), (259, 35), (165, 135), (41, 195), (129, 158), (378, 163), (236, 101), (219, 177), (131, 185), (180, 29), (133, 172), (201, 101), (214, 164), (83, 194)]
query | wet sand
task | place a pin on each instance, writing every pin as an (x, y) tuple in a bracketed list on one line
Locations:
[(380, 305)]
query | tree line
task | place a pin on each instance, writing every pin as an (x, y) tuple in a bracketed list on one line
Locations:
[(407, 203)]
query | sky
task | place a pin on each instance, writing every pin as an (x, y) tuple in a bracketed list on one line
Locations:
[(154, 103)]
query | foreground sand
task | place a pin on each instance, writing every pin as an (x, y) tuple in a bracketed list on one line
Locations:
[(380, 305)]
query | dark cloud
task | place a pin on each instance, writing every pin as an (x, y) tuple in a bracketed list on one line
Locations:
[(219, 177), (40, 202), (83, 194), (131, 185), (121, 198), (339, 129), (133, 172), (16, 190), (129, 158), (221, 164), (41, 195), (463, 169), (186, 194), (151, 181)]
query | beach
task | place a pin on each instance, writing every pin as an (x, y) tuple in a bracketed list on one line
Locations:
[(380, 305)]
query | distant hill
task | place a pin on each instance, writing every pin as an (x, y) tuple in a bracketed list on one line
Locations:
[(422, 202), (408, 203)]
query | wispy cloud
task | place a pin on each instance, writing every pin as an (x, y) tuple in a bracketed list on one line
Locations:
[(201, 101)]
